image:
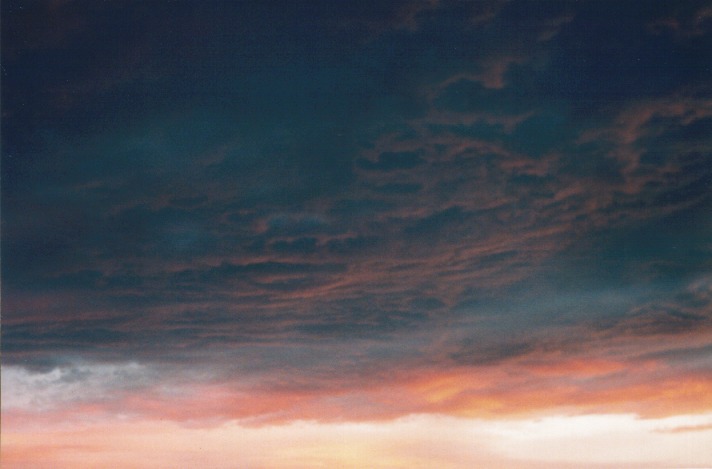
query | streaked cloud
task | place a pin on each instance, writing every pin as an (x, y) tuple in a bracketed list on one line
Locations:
[(289, 223)]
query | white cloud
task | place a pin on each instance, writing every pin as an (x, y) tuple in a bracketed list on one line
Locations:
[(23, 389)]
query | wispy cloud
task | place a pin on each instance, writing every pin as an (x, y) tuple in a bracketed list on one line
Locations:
[(235, 219)]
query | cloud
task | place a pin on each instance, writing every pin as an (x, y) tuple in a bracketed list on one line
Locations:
[(692, 21), (392, 161), (69, 384), (339, 367), (253, 215)]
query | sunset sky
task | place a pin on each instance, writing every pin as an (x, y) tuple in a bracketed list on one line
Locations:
[(368, 234)]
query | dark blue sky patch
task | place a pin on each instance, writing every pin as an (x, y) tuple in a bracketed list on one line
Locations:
[(399, 188), (437, 222), (209, 175), (352, 245), (608, 53), (297, 246), (541, 133), (390, 161)]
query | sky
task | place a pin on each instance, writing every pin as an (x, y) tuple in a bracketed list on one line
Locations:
[(298, 234)]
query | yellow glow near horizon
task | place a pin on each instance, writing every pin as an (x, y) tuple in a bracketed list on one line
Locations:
[(414, 441)]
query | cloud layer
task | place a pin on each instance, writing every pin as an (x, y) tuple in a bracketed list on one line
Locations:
[(218, 214)]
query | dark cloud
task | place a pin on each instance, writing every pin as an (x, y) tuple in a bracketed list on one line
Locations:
[(352, 244), (391, 161), (479, 354), (324, 192), (438, 223), (662, 321), (402, 188)]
